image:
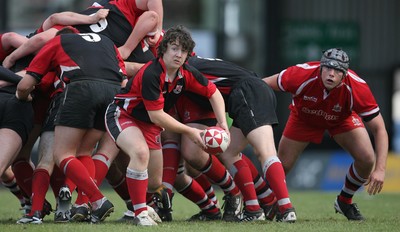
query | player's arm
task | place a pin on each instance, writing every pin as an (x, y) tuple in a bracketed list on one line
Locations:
[(378, 130), (25, 87), (32, 45), (164, 120), (68, 18), (132, 68), (146, 23), (272, 81), (11, 40), (156, 6), (218, 104)]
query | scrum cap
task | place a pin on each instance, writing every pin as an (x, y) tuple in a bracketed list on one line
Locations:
[(335, 58)]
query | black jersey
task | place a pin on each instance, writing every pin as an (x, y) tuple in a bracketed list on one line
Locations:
[(79, 57), (118, 28), (222, 73)]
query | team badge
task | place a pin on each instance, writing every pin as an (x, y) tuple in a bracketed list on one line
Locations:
[(337, 108), (178, 89)]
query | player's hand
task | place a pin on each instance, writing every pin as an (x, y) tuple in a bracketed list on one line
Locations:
[(196, 136), (8, 62), (225, 127), (375, 182), (100, 14), (152, 40)]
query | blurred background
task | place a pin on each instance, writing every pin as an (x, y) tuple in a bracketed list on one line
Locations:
[(267, 36)]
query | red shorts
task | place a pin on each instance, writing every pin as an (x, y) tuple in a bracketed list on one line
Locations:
[(151, 132), (298, 130), (189, 111)]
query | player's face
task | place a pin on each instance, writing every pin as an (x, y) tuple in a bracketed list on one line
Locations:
[(175, 56), (331, 77)]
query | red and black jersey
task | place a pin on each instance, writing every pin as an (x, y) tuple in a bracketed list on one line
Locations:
[(222, 73), (79, 56), (151, 89), (118, 26)]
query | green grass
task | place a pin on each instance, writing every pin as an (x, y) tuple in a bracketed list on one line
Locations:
[(314, 210)]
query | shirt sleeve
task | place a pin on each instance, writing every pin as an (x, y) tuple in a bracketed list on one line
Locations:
[(151, 92), (43, 62), (364, 101), (291, 79), (199, 84)]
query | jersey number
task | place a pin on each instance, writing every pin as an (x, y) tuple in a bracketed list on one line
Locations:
[(99, 26)]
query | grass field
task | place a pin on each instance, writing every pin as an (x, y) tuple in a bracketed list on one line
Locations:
[(314, 211)]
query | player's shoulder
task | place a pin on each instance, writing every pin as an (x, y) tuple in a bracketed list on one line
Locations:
[(353, 77), (311, 66)]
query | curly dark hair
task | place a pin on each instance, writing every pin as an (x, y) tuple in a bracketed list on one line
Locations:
[(179, 33)]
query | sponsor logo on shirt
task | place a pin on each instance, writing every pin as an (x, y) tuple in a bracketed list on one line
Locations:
[(325, 115), (312, 98)]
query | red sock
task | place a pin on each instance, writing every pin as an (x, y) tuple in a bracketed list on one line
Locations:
[(23, 173), (76, 171), (87, 161), (352, 183), (216, 172), (40, 185), (195, 193), (275, 175), (203, 181), (137, 185), (264, 193), (244, 181), (57, 180), (171, 158), (102, 164)]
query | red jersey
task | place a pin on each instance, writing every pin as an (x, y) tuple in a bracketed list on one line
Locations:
[(129, 9), (152, 90), (316, 106)]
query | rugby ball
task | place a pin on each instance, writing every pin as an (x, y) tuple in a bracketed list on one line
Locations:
[(216, 139)]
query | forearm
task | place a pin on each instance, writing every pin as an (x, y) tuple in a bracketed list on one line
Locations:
[(218, 105), (381, 140), (132, 68), (147, 23), (272, 81), (381, 149), (25, 87), (32, 45), (167, 122)]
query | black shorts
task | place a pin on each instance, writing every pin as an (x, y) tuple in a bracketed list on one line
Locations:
[(16, 115), (48, 124), (252, 104), (84, 103)]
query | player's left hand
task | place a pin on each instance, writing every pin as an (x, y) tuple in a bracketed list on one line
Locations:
[(375, 182)]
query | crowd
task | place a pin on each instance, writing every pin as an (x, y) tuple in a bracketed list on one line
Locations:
[(112, 96)]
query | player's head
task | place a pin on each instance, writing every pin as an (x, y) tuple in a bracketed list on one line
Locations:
[(180, 34), (335, 58), (67, 30)]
